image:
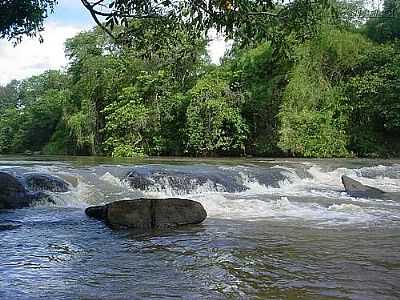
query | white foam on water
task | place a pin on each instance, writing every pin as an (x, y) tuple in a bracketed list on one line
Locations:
[(68, 199), (4, 167), (259, 202), (346, 208), (221, 206), (333, 178), (82, 195), (164, 189), (319, 184), (252, 183), (386, 184), (292, 185), (108, 177), (319, 180)]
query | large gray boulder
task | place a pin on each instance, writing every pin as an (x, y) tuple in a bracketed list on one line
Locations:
[(146, 214), (359, 190), (19, 191), (12, 193)]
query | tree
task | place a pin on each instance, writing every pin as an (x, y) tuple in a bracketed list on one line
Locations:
[(32, 113), (373, 94), (153, 78), (315, 113), (260, 78), (23, 17), (92, 70), (214, 124), (9, 96), (116, 87), (387, 26), (129, 124)]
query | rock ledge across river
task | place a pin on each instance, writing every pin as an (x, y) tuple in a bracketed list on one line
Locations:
[(147, 214)]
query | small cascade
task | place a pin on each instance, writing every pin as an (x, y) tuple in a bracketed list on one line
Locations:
[(183, 180), (310, 192)]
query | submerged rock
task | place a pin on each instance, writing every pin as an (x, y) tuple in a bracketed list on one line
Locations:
[(271, 176), (183, 181), (43, 182), (147, 214), (9, 226)]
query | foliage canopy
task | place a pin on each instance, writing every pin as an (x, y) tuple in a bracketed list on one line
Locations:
[(335, 92)]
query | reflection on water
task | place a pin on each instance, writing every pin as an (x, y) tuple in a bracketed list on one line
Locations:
[(300, 239)]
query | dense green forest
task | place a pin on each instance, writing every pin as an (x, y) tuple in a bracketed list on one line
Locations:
[(331, 89)]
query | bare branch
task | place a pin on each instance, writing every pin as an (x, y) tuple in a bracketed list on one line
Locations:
[(96, 3)]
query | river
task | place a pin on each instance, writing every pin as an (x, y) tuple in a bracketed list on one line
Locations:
[(291, 232)]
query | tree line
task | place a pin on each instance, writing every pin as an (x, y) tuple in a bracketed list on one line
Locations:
[(320, 85)]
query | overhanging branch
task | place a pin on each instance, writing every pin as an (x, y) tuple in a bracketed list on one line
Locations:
[(93, 13)]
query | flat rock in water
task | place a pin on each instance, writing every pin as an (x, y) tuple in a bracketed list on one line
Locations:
[(147, 214)]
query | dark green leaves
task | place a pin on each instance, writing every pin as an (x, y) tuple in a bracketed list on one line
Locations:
[(23, 17)]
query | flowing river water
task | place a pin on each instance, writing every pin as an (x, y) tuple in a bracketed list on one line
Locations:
[(276, 229)]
